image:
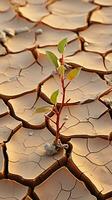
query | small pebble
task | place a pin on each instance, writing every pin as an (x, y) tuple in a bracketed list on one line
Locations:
[(65, 146), (50, 149), (66, 117), (39, 31), (30, 133), (86, 44)]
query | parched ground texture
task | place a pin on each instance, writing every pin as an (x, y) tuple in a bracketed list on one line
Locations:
[(84, 172)]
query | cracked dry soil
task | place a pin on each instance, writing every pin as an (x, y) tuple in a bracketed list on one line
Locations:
[(84, 172)]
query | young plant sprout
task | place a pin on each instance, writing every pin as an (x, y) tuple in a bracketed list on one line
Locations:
[(65, 78)]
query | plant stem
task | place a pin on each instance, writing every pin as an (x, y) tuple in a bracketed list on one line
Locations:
[(58, 114), (47, 117), (57, 128)]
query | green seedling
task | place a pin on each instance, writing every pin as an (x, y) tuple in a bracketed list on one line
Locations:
[(65, 78)]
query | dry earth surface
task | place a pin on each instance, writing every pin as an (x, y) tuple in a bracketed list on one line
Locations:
[(84, 172)]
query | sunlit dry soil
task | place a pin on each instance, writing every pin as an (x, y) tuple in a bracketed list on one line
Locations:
[(27, 29)]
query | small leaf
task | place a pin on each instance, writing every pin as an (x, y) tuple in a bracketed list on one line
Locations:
[(61, 70), (62, 44), (52, 57), (54, 97), (43, 109), (73, 73)]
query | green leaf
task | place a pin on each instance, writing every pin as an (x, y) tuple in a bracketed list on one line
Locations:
[(61, 70), (62, 44), (52, 57), (54, 97), (43, 109), (73, 73)]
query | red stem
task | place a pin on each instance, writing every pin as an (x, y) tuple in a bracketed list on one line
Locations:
[(67, 84), (62, 60), (47, 117), (58, 127), (62, 125)]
